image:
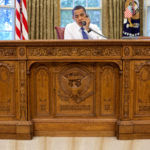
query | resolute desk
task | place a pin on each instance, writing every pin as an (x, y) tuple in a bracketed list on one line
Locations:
[(75, 88)]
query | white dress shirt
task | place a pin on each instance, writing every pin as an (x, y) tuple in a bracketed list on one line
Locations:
[(73, 31)]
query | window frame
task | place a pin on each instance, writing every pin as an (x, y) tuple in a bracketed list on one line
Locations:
[(87, 8)]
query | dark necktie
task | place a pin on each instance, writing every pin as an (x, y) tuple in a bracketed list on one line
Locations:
[(85, 36)]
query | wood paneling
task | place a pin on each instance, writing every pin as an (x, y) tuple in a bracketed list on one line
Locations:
[(8, 96), (75, 88)]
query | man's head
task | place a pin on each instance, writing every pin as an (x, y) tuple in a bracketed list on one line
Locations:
[(79, 14)]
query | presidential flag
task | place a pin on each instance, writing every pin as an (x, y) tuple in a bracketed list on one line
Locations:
[(131, 24), (21, 27)]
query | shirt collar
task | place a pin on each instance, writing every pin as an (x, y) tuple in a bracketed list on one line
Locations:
[(77, 26)]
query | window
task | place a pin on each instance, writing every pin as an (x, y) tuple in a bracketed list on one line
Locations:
[(93, 7), (146, 18), (7, 19)]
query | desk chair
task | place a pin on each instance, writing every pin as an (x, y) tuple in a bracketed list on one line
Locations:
[(60, 32)]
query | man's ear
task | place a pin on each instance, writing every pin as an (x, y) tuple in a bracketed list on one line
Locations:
[(73, 17)]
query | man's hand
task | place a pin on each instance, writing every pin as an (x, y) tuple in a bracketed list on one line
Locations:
[(87, 20)]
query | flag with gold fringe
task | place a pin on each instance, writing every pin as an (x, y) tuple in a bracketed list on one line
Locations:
[(131, 24)]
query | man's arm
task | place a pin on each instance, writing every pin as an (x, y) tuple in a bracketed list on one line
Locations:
[(89, 27), (67, 34)]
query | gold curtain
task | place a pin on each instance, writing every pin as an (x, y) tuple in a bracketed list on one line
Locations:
[(113, 15), (43, 16), (112, 18), (141, 16)]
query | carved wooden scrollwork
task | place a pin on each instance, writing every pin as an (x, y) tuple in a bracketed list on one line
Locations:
[(141, 51), (126, 89), (126, 51), (109, 74), (4, 74), (41, 87), (11, 68), (22, 51), (142, 86), (110, 51), (141, 65), (8, 52), (104, 51), (42, 90), (23, 105), (7, 89)]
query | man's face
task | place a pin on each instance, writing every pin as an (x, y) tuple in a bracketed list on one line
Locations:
[(79, 16)]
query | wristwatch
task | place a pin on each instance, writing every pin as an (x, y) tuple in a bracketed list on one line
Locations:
[(89, 30)]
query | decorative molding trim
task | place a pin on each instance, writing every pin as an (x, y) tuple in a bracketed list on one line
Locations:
[(141, 51), (8, 52), (11, 68), (22, 51), (126, 51), (126, 89), (138, 67), (23, 104), (65, 51)]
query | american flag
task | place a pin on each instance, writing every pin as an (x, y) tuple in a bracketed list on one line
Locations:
[(21, 20)]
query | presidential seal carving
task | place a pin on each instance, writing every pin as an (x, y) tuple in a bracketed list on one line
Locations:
[(74, 82)]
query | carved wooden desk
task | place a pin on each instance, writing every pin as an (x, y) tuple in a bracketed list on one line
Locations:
[(75, 88)]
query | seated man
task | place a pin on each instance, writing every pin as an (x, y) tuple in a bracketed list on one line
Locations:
[(81, 28)]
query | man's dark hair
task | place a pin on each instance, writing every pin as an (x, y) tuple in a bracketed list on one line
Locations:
[(78, 7)]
